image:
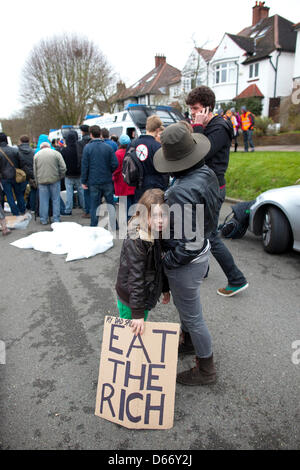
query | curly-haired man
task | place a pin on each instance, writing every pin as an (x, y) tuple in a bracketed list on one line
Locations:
[(201, 101)]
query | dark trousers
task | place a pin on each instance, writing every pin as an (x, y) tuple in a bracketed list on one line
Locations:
[(97, 192), (31, 199), (224, 257), (235, 141), (130, 202), (19, 189), (138, 194), (2, 213), (248, 139), (1, 196), (87, 201)]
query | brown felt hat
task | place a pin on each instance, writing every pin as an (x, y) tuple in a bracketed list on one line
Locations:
[(180, 149)]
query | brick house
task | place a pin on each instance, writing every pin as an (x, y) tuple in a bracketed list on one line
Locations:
[(160, 86)]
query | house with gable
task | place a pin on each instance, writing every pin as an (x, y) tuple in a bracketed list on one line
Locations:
[(197, 69), (296, 74), (160, 86), (258, 61)]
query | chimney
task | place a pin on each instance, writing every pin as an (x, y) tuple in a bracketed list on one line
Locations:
[(160, 59), (260, 12), (120, 87)]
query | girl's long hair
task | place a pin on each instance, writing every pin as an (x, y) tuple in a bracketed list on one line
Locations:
[(140, 219)]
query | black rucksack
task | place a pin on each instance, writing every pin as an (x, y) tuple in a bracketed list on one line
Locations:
[(132, 169), (236, 223)]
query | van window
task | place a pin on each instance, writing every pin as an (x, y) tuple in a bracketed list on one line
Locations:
[(139, 115), (165, 117), (131, 132), (116, 130), (176, 115)]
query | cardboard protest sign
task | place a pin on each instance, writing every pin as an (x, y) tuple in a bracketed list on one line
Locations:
[(137, 375)]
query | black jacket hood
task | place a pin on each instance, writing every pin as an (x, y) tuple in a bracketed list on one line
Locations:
[(71, 138), (26, 149)]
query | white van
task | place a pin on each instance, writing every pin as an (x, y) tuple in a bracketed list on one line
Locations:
[(61, 133), (132, 121)]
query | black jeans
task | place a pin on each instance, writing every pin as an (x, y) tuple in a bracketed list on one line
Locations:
[(224, 257)]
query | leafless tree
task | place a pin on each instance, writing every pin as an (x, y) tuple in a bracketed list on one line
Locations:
[(68, 75)]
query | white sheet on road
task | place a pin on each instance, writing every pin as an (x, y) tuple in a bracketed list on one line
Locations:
[(69, 238)]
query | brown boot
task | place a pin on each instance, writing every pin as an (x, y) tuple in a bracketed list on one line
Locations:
[(185, 344), (203, 374)]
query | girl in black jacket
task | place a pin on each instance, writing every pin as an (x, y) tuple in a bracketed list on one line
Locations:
[(141, 279)]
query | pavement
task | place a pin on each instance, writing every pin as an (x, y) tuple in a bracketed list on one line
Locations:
[(273, 148), (51, 321)]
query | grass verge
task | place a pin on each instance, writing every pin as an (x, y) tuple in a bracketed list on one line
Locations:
[(250, 174)]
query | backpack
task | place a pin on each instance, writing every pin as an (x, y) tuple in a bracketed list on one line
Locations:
[(132, 169), (236, 223)]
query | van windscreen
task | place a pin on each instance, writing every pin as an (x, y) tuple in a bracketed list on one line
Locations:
[(139, 117), (140, 114)]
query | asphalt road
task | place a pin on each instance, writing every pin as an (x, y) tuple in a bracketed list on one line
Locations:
[(51, 320)]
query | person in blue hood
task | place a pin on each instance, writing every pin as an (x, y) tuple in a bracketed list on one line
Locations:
[(43, 138)]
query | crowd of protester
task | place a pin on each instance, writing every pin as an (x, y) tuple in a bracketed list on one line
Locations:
[(182, 164)]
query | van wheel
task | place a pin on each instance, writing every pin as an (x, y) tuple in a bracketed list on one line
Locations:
[(276, 232)]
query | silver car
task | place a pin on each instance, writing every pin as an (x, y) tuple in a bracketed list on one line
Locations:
[(276, 216)]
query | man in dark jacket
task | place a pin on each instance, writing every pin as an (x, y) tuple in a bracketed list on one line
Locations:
[(26, 158), (72, 178), (201, 101), (146, 146), (98, 164), (85, 130), (186, 259), (107, 140), (8, 176)]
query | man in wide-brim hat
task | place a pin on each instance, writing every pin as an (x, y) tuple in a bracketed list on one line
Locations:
[(186, 261)]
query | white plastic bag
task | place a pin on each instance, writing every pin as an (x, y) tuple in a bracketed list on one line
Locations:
[(69, 238)]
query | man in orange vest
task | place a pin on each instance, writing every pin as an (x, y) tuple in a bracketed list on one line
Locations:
[(247, 124)]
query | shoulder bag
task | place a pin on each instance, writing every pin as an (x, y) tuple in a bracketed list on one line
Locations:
[(20, 174)]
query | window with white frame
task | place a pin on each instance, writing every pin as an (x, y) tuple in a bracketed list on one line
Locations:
[(196, 81), (225, 73), (186, 84), (254, 70), (175, 91)]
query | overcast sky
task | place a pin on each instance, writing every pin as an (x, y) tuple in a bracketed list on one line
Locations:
[(129, 33)]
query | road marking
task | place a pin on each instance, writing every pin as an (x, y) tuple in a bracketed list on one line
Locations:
[(2, 352)]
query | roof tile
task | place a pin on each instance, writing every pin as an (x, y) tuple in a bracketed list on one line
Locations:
[(153, 82), (249, 92)]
